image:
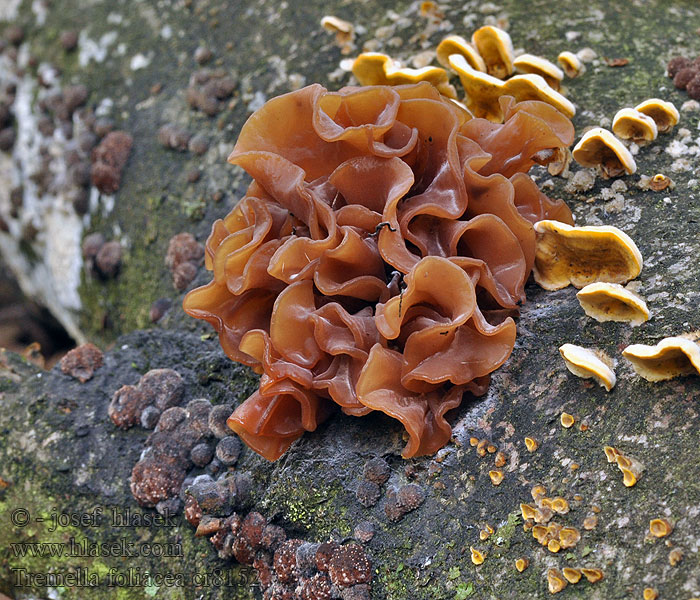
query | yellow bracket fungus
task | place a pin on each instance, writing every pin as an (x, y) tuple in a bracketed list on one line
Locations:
[(671, 357), (664, 113), (496, 48), (631, 124), (598, 148), (534, 87), (484, 90), (583, 255), (375, 68), (572, 65), (455, 44), (612, 302), (588, 364), (536, 65)]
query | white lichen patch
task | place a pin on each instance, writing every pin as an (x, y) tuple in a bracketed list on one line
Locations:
[(39, 8), (140, 61), (8, 9), (52, 280), (94, 50)]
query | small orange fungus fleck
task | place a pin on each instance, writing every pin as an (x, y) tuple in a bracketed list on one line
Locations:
[(593, 575), (660, 527), (531, 444), (496, 476), (567, 420), (521, 564), (571, 575)]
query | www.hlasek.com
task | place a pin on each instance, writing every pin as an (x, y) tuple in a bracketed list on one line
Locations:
[(131, 577), (85, 549)]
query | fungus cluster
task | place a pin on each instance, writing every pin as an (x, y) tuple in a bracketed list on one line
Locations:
[(285, 567), (685, 73), (375, 256), (601, 149), (487, 68), (630, 467)]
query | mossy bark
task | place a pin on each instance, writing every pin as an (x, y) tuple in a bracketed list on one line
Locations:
[(59, 449)]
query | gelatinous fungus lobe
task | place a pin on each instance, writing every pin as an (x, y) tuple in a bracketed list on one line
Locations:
[(376, 257)]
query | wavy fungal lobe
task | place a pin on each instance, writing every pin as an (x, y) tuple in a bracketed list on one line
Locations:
[(376, 258)]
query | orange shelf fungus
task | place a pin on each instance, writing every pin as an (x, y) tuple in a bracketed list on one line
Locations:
[(598, 148), (664, 114), (589, 364), (612, 302), (583, 255), (455, 44), (370, 263), (536, 65), (375, 68), (496, 48), (671, 357), (631, 124)]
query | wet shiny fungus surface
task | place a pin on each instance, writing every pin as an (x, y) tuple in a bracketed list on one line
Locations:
[(377, 256)]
